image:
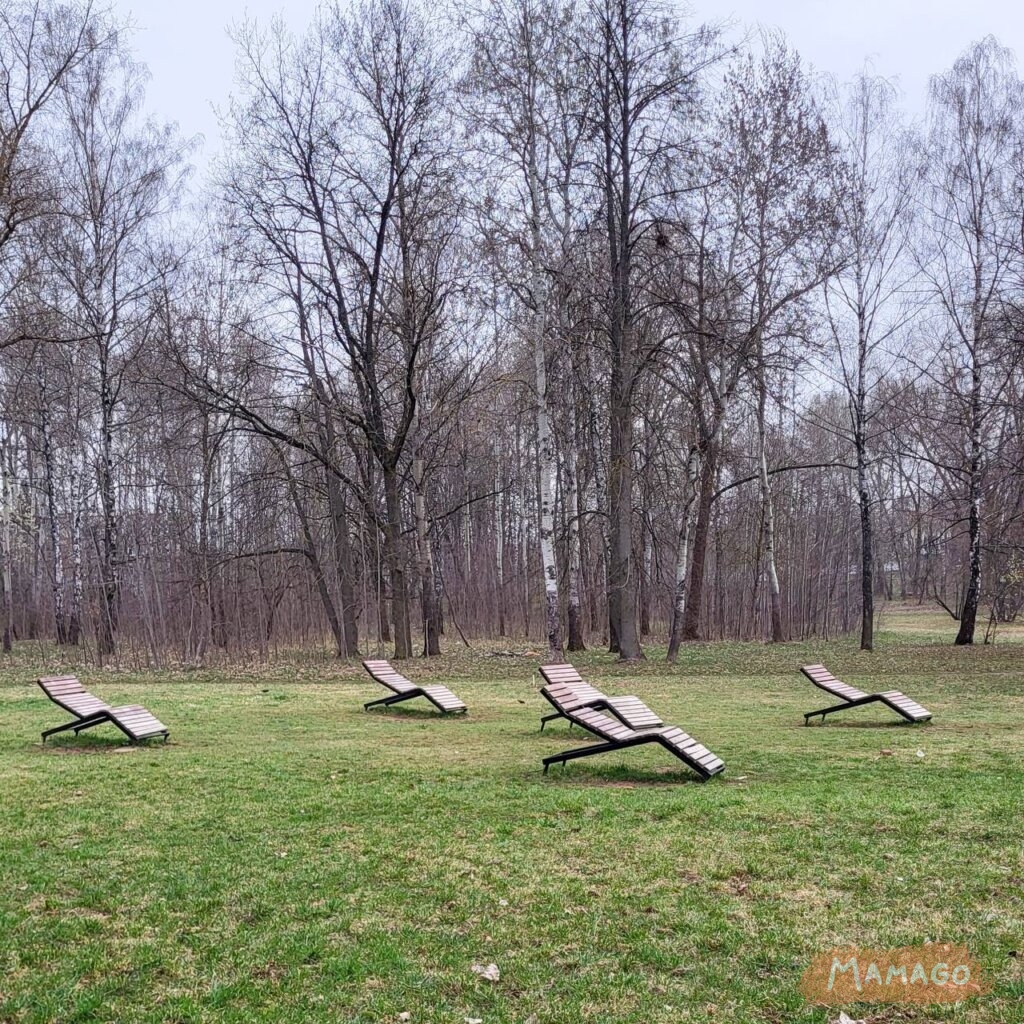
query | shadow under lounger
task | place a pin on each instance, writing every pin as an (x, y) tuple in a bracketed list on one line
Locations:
[(68, 693), (571, 691), (616, 736), (851, 697), (404, 689)]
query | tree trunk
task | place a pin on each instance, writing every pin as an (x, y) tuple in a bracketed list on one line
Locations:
[(107, 625), (774, 592), (546, 501), (768, 508), (77, 500), (396, 564), (574, 543), (701, 535), (56, 549), (972, 597), (343, 565), (867, 551), (425, 557), (646, 583), (6, 552), (499, 551), (622, 581), (682, 558), (315, 565)]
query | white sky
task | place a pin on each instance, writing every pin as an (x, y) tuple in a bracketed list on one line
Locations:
[(191, 59)]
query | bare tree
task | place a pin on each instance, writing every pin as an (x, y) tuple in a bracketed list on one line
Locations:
[(645, 77), (527, 112), (869, 303), (41, 45), (968, 252), (102, 249), (340, 182)]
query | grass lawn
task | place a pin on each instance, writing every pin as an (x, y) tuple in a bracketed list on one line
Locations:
[(290, 858)]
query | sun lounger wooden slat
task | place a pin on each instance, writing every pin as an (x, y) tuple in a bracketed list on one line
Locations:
[(137, 722), (404, 689), (132, 719), (851, 697), (617, 736), (822, 678), (573, 692)]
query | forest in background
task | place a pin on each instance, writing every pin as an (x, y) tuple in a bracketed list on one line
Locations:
[(562, 319)]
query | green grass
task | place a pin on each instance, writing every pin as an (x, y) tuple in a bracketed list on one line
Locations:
[(288, 857)]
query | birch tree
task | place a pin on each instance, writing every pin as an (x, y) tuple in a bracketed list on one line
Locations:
[(968, 254), (121, 177), (869, 303), (524, 79)]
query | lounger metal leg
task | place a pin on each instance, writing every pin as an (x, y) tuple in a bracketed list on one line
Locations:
[(824, 712), (393, 699), (572, 755), (60, 728), (845, 706), (77, 725), (550, 718)]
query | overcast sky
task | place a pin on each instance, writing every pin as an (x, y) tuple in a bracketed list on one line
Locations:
[(191, 59)]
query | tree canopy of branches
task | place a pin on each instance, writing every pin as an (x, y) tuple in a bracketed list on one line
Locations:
[(573, 320)]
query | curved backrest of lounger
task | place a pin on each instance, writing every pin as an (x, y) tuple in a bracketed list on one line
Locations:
[(566, 698), (824, 680), (563, 673), (386, 675), (570, 685), (67, 692)]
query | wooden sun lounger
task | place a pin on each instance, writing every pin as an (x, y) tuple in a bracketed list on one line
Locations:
[(572, 691), (132, 719), (617, 736), (851, 697), (403, 689)]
